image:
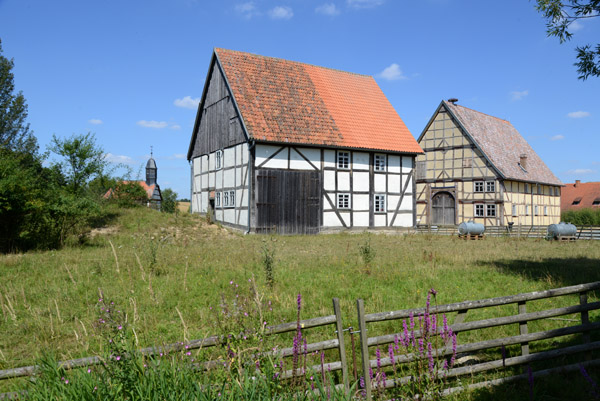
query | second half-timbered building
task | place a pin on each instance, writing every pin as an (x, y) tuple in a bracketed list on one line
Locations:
[(288, 147), (478, 167)]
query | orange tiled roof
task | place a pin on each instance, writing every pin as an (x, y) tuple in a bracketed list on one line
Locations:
[(148, 188), (586, 193), (289, 102)]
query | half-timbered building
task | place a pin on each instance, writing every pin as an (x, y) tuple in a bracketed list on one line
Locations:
[(288, 147), (478, 167)]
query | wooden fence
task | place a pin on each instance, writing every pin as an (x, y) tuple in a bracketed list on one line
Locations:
[(583, 232), (524, 337)]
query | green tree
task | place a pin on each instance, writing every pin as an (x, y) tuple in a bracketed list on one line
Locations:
[(83, 160), (14, 131), (129, 194), (560, 16), (169, 201)]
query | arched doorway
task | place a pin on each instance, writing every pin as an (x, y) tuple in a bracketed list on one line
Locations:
[(443, 209)]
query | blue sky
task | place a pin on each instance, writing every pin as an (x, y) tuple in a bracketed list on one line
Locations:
[(132, 71)]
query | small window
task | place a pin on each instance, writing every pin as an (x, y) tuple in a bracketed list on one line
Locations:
[(576, 201), (479, 211), (539, 189), (490, 186), (380, 163), (556, 191), (218, 159), (596, 202), (343, 201), (526, 210), (232, 198), (379, 203), (478, 186), (545, 210), (514, 210), (526, 188), (536, 210), (491, 210), (421, 170), (343, 160), (226, 199), (218, 199)]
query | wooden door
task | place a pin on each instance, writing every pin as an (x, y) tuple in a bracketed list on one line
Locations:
[(288, 202), (443, 209)]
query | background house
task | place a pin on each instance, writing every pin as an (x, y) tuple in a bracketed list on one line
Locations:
[(295, 148), (580, 196), (150, 185), (478, 167)]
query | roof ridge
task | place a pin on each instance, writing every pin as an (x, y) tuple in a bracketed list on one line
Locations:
[(295, 62), (479, 112)]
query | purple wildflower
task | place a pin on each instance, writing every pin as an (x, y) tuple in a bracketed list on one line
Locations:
[(587, 377), (391, 353), (430, 357), (421, 346)]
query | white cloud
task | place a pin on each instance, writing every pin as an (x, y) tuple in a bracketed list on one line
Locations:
[(187, 102), (95, 121), (247, 10), (557, 137), (119, 159), (152, 124), (581, 171), (392, 73), (578, 114), (328, 9), (175, 126), (281, 12), (575, 26), (178, 156), (518, 95), (364, 3)]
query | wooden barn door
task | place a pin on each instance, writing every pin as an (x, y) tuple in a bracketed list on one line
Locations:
[(288, 202), (443, 209)]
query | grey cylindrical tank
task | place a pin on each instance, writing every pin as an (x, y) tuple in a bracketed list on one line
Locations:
[(562, 229), (470, 228)]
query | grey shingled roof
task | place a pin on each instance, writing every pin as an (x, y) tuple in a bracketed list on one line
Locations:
[(503, 145)]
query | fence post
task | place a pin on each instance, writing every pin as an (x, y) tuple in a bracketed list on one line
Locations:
[(364, 347), (523, 328), (341, 344), (585, 316)]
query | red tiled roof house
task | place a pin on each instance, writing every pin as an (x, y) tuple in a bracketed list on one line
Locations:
[(282, 146), (478, 167), (580, 195)]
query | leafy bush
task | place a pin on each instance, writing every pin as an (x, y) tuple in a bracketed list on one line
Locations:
[(129, 194), (169, 201), (582, 217)]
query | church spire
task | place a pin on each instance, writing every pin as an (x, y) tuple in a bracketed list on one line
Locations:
[(151, 170)]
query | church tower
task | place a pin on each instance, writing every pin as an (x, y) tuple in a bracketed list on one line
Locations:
[(151, 170)]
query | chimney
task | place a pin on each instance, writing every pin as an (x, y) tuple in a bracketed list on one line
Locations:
[(523, 161), (453, 100), (577, 182)]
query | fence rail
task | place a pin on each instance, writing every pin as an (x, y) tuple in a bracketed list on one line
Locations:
[(369, 338), (583, 232)]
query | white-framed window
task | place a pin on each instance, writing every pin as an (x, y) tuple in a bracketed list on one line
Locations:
[(490, 186), (526, 210), (536, 210), (231, 198), (556, 191), (379, 203), (379, 163), (545, 210), (343, 160), (343, 201), (514, 210), (478, 186), (218, 159), (490, 210), (218, 199), (479, 210), (526, 188), (226, 199)]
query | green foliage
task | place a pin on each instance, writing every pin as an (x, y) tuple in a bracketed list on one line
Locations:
[(14, 131), (366, 251), (559, 15), (129, 194), (169, 201), (582, 217), (268, 261)]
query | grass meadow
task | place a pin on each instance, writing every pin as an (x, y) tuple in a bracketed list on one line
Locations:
[(166, 272)]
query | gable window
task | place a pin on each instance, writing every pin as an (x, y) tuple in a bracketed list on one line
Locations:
[(343, 160), (218, 159), (343, 201), (231, 198), (526, 188), (479, 210), (576, 201), (421, 170), (478, 186), (226, 199), (514, 210), (556, 191), (379, 203), (596, 202), (218, 199), (539, 189), (491, 210), (490, 186), (379, 163)]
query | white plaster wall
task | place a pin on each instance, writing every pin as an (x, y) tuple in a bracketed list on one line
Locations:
[(196, 164), (229, 157), (329, 158), (360, 201), (229, 215), (204, 202), (407, 202), (394, 183), (407, 164), (343, 181), (380, 183), (379, 220), (211, 162), (239, 151), (361, 219), (242, 218), (393, 164), (197, 184), (403, 220), (211, 179), (204, 163), (345, 217), (360, 161), (228, 178), (204, 181), (329, 180), (392, 202), (263, 152), (218, 179), (331, 220), (360, 181), (297, 162), (219, 214)]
